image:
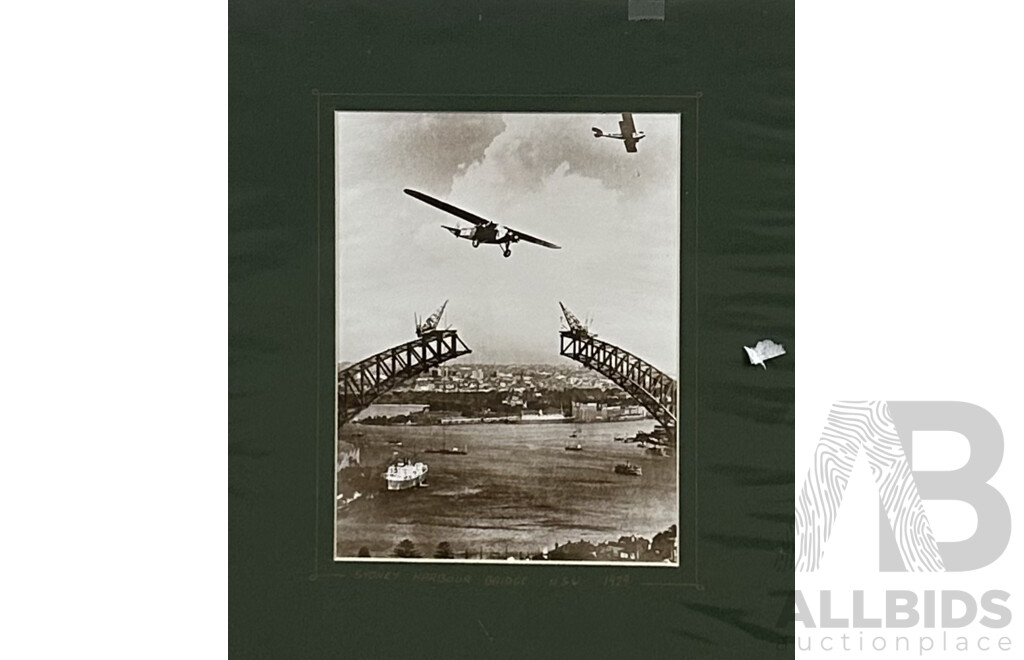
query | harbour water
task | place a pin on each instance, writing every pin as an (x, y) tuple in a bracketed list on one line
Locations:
[(516, 491)]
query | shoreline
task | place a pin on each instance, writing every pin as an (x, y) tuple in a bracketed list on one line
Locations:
[(468, 421)]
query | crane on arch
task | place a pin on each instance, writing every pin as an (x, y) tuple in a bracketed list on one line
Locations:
[(576, 327), (430, 324)]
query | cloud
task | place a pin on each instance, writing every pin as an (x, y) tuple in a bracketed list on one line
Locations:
[(411, 149), (528, 151)]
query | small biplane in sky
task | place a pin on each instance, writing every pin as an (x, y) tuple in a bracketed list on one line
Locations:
[(627, 132), (483, 231)]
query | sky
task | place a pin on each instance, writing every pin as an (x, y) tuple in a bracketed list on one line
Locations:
[(615, 214)]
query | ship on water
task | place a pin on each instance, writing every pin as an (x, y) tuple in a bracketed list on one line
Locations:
[(631, 469), (403, 474)]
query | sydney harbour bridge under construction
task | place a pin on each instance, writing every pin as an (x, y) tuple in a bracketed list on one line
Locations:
[(361, 383)]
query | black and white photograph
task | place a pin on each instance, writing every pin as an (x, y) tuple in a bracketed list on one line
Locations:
[(507, 348)]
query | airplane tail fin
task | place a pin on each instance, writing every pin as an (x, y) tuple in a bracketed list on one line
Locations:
[(453, 230), (597, 131)]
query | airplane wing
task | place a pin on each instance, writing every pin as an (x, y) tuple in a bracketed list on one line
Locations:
[(532, 239), (627, 129), (448, 208), (626, 126)]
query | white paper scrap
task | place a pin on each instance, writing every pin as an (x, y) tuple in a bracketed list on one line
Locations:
[(765, 349)]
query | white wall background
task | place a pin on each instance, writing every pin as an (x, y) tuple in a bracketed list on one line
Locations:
[(909, 216), (113, 282)]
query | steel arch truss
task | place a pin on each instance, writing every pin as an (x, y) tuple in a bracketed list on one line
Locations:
[(652, 389), (359, 384)]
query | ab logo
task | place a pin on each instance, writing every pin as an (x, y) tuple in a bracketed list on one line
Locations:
[(883, 431)]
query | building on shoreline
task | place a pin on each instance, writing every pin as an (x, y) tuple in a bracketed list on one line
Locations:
[(600, 412), (540, 417)]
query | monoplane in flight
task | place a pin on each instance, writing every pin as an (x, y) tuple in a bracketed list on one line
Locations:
[(483, 231), (627, 134)]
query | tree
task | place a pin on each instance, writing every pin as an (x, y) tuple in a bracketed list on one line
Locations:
[(664, 543), (444, 551), (406, 550), (364, 551)]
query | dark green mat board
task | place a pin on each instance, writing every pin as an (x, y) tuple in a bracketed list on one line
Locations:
[(727, 68)]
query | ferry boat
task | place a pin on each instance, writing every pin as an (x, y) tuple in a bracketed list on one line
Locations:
[(629, 468), (403, 474)]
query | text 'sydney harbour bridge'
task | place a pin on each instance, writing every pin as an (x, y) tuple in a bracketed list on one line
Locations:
[(361, 383)]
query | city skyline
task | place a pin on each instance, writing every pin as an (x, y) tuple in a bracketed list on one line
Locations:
[(616, 215)]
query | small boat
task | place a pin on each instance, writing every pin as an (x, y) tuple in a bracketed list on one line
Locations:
[(397, 443), (629, 468), (657, 451), (445, 450), (575, 447), (620, 438)]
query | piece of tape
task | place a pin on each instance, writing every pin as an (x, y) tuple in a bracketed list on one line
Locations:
[(646, 10)]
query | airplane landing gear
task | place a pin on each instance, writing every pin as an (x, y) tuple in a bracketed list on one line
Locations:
[(507, 252), (476, 244)]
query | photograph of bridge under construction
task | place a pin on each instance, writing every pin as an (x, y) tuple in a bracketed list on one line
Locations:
[(507, 342)]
